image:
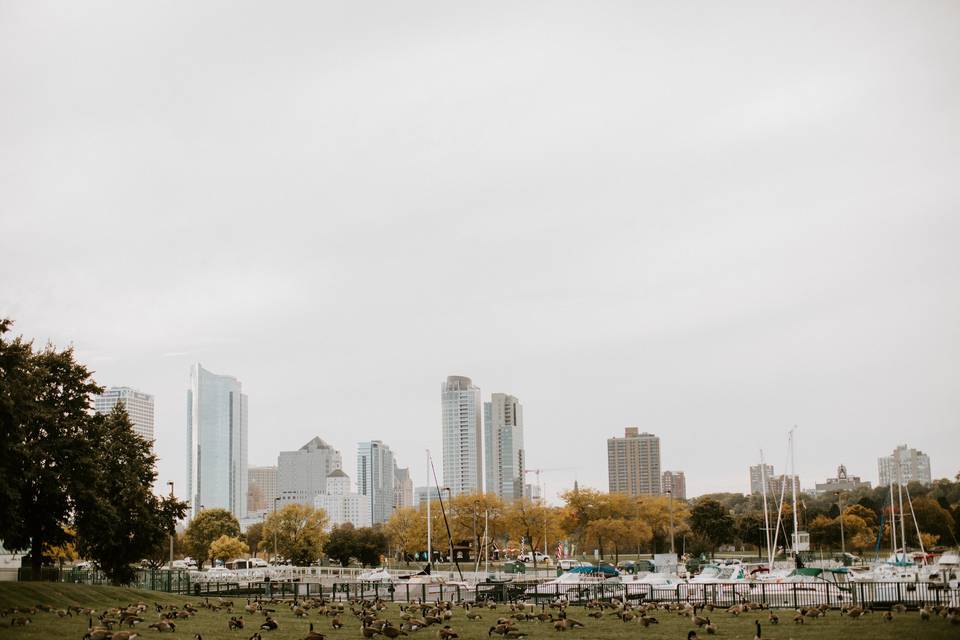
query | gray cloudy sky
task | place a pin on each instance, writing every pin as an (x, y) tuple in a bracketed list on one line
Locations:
[(710, 222)]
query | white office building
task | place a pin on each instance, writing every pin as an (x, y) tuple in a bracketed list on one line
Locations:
[(904, 466), (376, 471), (342, 505), (503, 446), (302, 474), (139, 406), (216, 443), (402, 488), (461, 415)]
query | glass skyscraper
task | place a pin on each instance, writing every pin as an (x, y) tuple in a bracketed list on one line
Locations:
[(462, 467), (216, 443), (503, 446), (139, 407), (376, 471)]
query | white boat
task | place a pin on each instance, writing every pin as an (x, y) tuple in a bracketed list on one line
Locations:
[(717, 581), (580, 583)]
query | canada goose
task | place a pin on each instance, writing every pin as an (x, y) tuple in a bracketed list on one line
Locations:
[(757, 635), (446, 633), (710, 627), (164, 625), (899, 608), (888, 616), (269, 624), (473, 615), (388, 630), (256, 636), (773, 618), (696, 620), (646, 621), (692, 635), (368, 632), (20, 622), (596, 614), (337, 622), (313, 635), (197, 636), (925, 613), (125, 635), (235, 623), (798, 618)]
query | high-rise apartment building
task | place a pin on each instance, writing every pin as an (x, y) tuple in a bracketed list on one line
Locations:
[(633, 463), (756, 478), (376, 469), (261, 488), (302, 474), (780, 486), (341, 505), (139, 406), (674, 483), (460, 403), (503, 450), (216, 443), (402, 488), (905, 465)]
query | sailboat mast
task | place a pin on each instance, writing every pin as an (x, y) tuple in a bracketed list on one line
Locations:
[(793, 487), (766, 514), (893, 523), (903, 531), (429, 519)]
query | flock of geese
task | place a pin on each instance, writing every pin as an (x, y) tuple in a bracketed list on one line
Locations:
[(375, 617)]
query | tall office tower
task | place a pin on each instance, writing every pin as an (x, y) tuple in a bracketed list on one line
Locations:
[(674, 483), (216, 443), (375, 476), (462, 469), (302, 474), (402, 488), (904, 465), (633, 463), (139, 407), (756, 478), (503, 446), (261, 489), (780, 486), (340, 504)]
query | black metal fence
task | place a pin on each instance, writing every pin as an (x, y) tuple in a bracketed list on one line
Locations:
[(176, 581), (776, 595)]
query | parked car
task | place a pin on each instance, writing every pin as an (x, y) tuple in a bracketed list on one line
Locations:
[(540, 557), (570, 563)]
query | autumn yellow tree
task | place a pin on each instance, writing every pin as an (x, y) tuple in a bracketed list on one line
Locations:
[(466, 515), (407, 532), (532, 521), (226, 547)]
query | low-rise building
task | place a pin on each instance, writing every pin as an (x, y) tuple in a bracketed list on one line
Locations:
[(342, 505)]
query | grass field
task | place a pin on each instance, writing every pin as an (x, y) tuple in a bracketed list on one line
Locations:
[(213, 625)]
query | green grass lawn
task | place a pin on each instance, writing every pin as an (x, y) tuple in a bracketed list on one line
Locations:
[(213, 625)]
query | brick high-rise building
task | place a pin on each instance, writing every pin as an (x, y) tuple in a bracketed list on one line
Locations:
[(633, 463)]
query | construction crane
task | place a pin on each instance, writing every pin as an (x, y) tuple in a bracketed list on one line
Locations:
[(543, 500)]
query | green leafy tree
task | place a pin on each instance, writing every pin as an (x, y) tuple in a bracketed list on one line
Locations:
[(254, 536), (119, 520), (226, 547), (749, 528), (342, 543), (45, 420), (300, 532), (712, 522), (209, 525)]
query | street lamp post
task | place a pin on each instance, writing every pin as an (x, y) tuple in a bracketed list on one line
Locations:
[(672, 550), (843, 544), (172, 533), (275, 501)]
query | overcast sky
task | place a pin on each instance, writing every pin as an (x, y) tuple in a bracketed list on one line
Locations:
[(711, 223)]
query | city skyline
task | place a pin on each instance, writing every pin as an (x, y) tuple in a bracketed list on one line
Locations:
[(341, 208)]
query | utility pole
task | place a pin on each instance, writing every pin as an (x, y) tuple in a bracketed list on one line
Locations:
[(843, 545), (172, 533), (672, 550), (275, 501)]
